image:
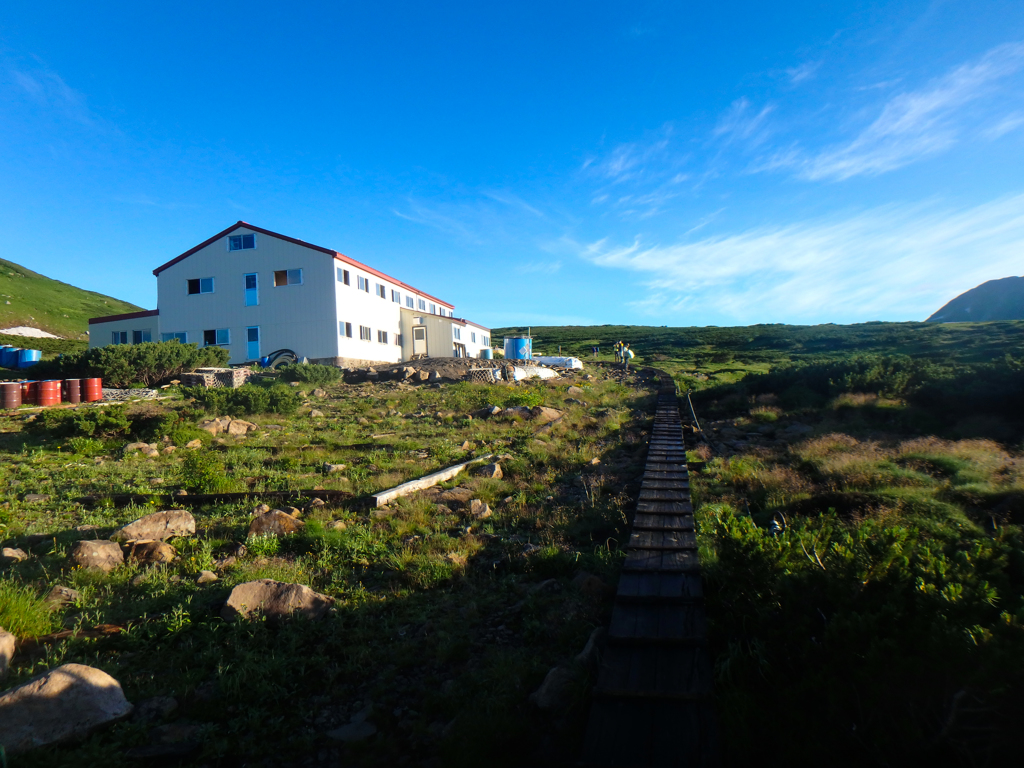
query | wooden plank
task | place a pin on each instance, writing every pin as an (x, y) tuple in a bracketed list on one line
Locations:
[(662, 540), (424, 482), (663, 522), (655, 560), (655, 507), (663, 494)]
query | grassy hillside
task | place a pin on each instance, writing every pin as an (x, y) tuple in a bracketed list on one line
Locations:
[(28, 298)]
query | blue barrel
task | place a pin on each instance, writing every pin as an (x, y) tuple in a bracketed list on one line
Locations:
[(519, 348), (9, 357), (29, 357), (486, 354)]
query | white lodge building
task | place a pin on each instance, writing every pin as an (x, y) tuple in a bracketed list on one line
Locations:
[(253, 291)]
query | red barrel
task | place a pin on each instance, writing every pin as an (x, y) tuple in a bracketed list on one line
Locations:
[(49, 392), (73, 390), (93, 390), (10, 394), (28, 392)]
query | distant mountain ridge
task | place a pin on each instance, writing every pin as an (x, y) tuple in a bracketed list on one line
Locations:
[(28, 298), (1001, 299)]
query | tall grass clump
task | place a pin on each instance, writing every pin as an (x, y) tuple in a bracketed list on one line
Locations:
[(24, 613)]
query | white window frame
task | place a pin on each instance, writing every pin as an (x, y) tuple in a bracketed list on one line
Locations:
[(182, 337), (344, 277), (382, 337), (456, 332), (363, 283), (365, 333), (345, 329), (212, 285), (288, 275), (241, 246), (217, 337), (396, 297), (143, 333), (409, 302), (118, 337), (421, 305)]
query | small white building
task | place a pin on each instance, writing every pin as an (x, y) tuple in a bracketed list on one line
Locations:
[(253, 291)]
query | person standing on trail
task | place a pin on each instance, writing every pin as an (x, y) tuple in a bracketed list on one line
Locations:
[(627, 355)]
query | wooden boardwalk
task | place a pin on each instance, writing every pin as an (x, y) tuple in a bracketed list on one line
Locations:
[(652, 702)]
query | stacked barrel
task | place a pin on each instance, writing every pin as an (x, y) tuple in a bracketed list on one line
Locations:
[(14, 394)]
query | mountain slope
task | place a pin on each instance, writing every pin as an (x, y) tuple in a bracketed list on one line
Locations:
[(28, 298), (993, 300)]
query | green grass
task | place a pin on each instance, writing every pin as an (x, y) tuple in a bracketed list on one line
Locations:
[(53, 306)]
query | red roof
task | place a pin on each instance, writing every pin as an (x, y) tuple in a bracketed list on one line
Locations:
[(470, 322), (339, 256), (125, 316)]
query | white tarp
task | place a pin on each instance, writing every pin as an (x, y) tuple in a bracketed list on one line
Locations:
[(561, 362), (531, 371)]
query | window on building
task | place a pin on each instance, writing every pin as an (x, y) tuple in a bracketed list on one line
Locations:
[(382, 337), (456, 332), (421, 304), (139, 337), (363, 284), (396, 297), (344, 329), (200, 285), (287, 277), (343, 276), (241, 242), (433, 309), (398, 339), (252, 293), (409, 302), (216, 337), (119, 337), (485, 340), (182, 337), (365, 333), (472, 337), (380, 290)]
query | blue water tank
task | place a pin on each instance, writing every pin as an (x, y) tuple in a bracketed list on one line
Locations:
[(519, 348), (29, 357), (486, 354), (9, 357)]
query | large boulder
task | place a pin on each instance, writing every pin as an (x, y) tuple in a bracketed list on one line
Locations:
[(160, 526), (8, 643), (238, 427), (153, 552), (275, 600), (490, 470), (275, 523), (97, 554), (66, 703), (544, 415)]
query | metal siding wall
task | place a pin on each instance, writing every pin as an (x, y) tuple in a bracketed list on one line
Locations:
[(99, 333), (297, 317)]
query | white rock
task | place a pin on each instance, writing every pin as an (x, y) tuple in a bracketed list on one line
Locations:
[(66, 703), (8, 643)]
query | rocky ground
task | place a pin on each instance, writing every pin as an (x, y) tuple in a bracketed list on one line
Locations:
[(449, 624)]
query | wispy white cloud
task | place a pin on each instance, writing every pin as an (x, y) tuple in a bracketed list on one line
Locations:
[(804, 71), (1007, 125), (47, 90), (514, 201), (912, 125), (896, 262), (631, 161), (443, 222), (743, 122)]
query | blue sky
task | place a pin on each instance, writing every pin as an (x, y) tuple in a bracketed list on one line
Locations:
[(542, 163)]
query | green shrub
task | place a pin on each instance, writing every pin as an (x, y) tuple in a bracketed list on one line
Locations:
[(81, 422), (311, 373), (263, 545), (202, 472), (121, 365), (517, 397), (247, 400), (22, 612)]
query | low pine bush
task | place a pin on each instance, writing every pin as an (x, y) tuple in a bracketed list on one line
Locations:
[(247, 400), (122, 365), (81, 422)]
